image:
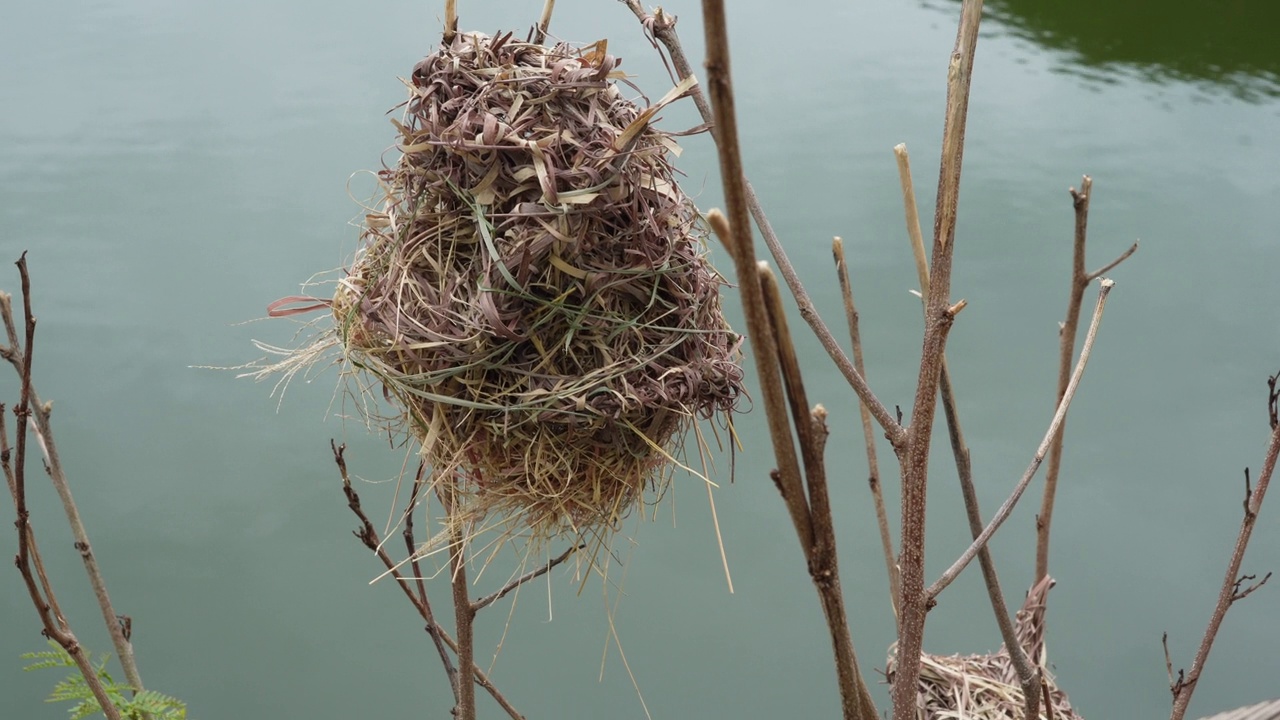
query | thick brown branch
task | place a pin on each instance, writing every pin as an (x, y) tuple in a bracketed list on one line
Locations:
[(1028, 676), (796, 498), (450, 20), (915, 455), (811, 426), (736, 235)]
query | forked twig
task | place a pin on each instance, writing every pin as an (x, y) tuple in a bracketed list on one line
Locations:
[(1231, 589), (29, 412), (368, 535), (1080, 280)]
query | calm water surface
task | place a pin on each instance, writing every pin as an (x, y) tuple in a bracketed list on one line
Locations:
[(174, 167)]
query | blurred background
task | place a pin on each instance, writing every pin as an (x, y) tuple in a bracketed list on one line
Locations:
[(174, 167)]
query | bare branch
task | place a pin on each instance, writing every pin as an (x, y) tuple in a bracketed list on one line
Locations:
[(795, 497), (1239, 593), (1231, 590), (464, 614), (1003, 512), (1066, 348), (411, 548)]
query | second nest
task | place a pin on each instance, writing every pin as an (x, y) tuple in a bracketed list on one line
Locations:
[(533, 290)]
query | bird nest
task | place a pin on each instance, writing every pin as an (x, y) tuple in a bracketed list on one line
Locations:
[(533, 291), (986, 687)]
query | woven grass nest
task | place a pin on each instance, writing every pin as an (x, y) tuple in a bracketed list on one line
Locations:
[(533, 289), (985, 687)]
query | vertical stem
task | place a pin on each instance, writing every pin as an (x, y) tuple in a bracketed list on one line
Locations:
[(450, 20), (868, 430), (938, 319), (465, 614), (1066, 349)]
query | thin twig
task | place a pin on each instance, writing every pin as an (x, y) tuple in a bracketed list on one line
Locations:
[(1231, 590), (1005, 509), (939, 315), (811, 426), (491, 598), (868, 431), (1066, 349), (1112, 265), (662, 27), (1028, 676), (369, 537)]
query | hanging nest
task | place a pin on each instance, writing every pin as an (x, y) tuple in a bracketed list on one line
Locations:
[(533, 289), (985, 687)]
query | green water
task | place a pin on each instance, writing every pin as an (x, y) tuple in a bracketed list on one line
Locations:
[(175, 167)]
